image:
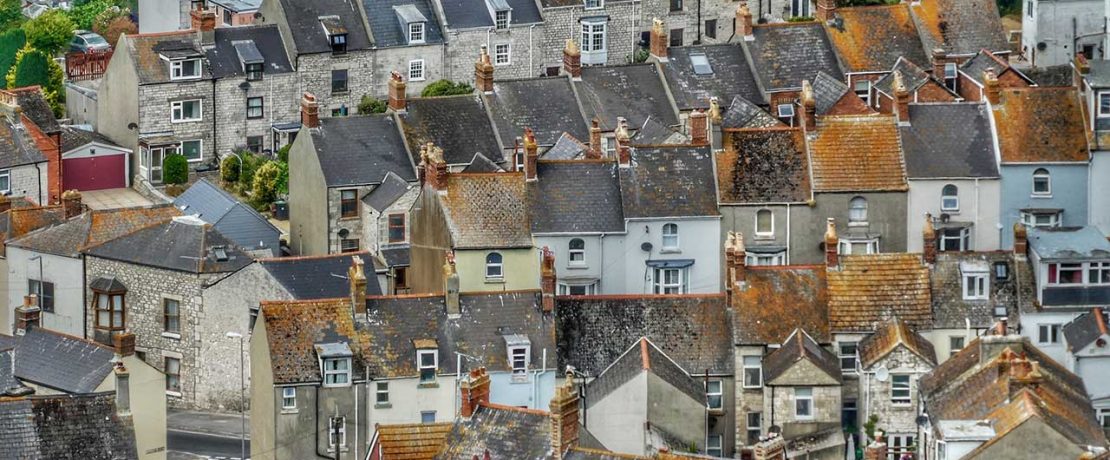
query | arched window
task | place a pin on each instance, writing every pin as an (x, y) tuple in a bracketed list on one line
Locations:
[(577, 252), (1042, 182), (670, 236), (949, 198), (764, 223), (857, 210), (494, 268)]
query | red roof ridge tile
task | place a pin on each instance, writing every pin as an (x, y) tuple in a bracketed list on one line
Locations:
[(646, 363)]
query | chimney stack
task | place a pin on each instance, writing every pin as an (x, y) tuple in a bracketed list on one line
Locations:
[(435, 168), (940, 58), (124, 344), (396, 101), (715, 110), (624, 151), (771, 448), (572, 59), (875, 451), (357, 277), (736, 258), (473, 392), (929, 237), (564, 418), (451, 286), (809, 108), (310, 111), (28, 315), (991, 87), (832, 245), (826, 10), (531, 154), (699, 127), (123, 389), (658, 40), (1021, 240), (744, 22), (901, 99), (5, 203), (204, 23), (71, 203), (547, 280), (483, 72), (595, 151)]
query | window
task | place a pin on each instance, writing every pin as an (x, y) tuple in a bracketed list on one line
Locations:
[(340, 111), (182, 111), (848, 356), (863, 90), (670, 236), (348, 203), (173, 374), (339, 81), (764, 223), (770, 258), (1098, 273), (337, 432), (753, 372), (1042, 182), (955, 344), (593, 36), (427, 362), (428, 416), (849, 414), (754, 427), (339, 44), (799, 8), (803, 403), (1104, 418), (975, 286), (400, 280), (501, 19), (670, 281), (857, 211), (381, 393), (288, 398), (45, 291), (192, 150), (185, 69), (786, 113), (578, 289), (577, 252), (254, 144), (593, 4), (109, 310), (494, 267), (713, 445), (675, 37), (949, 198), (227, 17), (955, 239), (711, 28), (1041, 219), (518, 357), (1104, 104), (171, 316), (714, 394), (1029, 8), (416, 70), (416, 32), (5, 180), (898, 444), (501, 54), (348, 244), (1048, 334), (1001, 271), (254, 71), (337, 372), (950, 75), (254, 107), (1065, 273), (900, 389), (865, 246), (676, 5), (396, 228)]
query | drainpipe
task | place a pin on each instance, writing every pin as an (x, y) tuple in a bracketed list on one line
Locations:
[(699, 23), (788, 233), (530, 63)]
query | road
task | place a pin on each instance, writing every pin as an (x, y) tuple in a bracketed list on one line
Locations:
[(204, 445)]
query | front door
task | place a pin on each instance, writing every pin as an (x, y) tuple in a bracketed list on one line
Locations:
[(153, 159)]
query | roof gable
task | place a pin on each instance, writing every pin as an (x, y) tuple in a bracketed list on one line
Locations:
[(889, 336), (742, 113), (800, 350)]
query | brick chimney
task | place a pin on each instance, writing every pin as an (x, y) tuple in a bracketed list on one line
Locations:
[(123, 389), (28, 315), (826, 10), (483, 72), (699, 127), (124, 344), (531, 154), (564, 418), (940, 58), (310, 111), (71, 203), (435, 168), (991, 89), (715, 116), (809, 108), (1021, 240), (744, 22), (658, 40), (473, 392), (357, 278), (832, 245), (875, 451), (451, 286), (572, 59), (771, 448), (735, 258), (5, 203), (901, 100), (624, 151), (547, 280), (595, 151), (396, 92), (929, 238), (204, 23)]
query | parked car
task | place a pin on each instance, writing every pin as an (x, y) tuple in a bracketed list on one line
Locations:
[(85, 41)]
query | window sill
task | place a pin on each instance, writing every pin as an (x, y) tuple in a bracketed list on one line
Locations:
[(175, 394), (755, 387), (719, 411), (255, 118), (1040, 197), (289, 411), (348, 218), (191, 120), (670, 251), (503, 64), (951, 212), (422, 386), (519, 379), (383, 406), (495, 280), (171, 335), (901, 406), (578, 267), (807, 418), (765, 236), (341, 93), (857, 224)]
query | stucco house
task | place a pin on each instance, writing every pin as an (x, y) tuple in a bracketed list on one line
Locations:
[(1095, 88), (1085, 338), (1055, 32)]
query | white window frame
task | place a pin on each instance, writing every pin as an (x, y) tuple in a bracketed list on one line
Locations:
[(590, 288), (5, 181), (593, 4), (177, 69), (951, 74), (502, 24), (771, 218), (799, 8), (670, 231), (524, 352), (420, 367), (576, 257), (417, 70), (1094, 273), (661, 286), (952, 348), (765, 259), (1098, 104), (1104, 417), (177, 111), (381, 388), (950, 203), (866, 90), (341, 424), (962, 240), (589, 31), (846, 245), (847, 355), (288, 398), (896, 449), (200, 148), (857, 214), (785, 111), (333, 377), (719, 393), (1029, 219), (975, 286), (507, 54), (1042, 173), (757, 427), (1071, 267), (755, 362), (714, 445), (499, 266), (417, 32), (897, 389), (799, 397), (1048, 334)]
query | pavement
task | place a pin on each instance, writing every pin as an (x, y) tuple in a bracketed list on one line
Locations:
[(114, 198), (194, 435)]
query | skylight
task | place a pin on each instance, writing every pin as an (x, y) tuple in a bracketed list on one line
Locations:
[(701, 64)]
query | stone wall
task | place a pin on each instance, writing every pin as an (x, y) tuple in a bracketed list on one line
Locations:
[(29, 181), (280, 104), (747, 400), (155, 114), (375, 233), (314, 75), (526, 52), (353, 225), (687, 17), (893, 418), (622, 31)]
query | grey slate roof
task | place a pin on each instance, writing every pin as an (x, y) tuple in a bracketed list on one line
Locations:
[(486, 318), (74, 138), (61, 362), (731, 76), (396, 257), (798, 347), (16, 146), (183, 244), (1068, 242), (1099, 75), (107, 284), (147, 51), (386, 25), (502, 432), (960, 26), (63, 426), (742, 113), (468, 14), (323, 277), (1057, 75), (457, 124), (827, 90), (669, 181), (913, 77), (34, 106), (951, 311), (786, 54), (225, 61), (547, 105), (654, 132), (1085, 329), (644, 356), (634, 92), (693, 330), (566, 148), (949, 140), (9, 384), (360, 150), (308, 34), (576, 196), (481, 164), (69, 237), (212, 204), (385, 194)]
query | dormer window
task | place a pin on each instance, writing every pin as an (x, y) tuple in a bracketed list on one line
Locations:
[(335, 363), (501, 19), (416, 32), (184, 69), (428, 362), (950, 75), (976, 284), (1104, 104), (254, 71), (520, 350), (339, 44)]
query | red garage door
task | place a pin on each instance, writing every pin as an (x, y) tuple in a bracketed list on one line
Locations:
[(94, 173)]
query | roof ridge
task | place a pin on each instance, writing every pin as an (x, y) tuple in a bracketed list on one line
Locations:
[(310, 257), (524, 410), (74, 337), (644, 354), (86, 246)]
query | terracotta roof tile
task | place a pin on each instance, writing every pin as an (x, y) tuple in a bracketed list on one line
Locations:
[(870, 38), (293, 327), (763, 166), (146, 51), (856, 153), (869, 288), (888, 337), (1041, 125), (25, 220), (488, 210), (776, 300), (95, 227), (416, 441)]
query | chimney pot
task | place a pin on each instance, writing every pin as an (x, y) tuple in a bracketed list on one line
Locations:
[(809, 108), (564, 418), (435, 168), (124, 344), (715, 110), (901, 99), (71, 203), (531, 154), (832, 244), (28, 315), (451, 286), (396, 101), (310, 110), (204, 23), (744, 22), (929, 237), (658, 40), (624, 150), (572, 59), (483, 72), (992, 89), (547, 281), (357, 277), (595, 151)]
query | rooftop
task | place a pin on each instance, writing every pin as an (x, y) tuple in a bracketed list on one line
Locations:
[(872, 38), (1041, 125), (487, 210), (66, 426), (1068, 243), (146, 52), (184, 244), (888, 337), (948, 140), (1012, 292), (415, 441), (92, 228), (669, 181), (763, 166), (785, 54), (60, 362), (797, 347), (576, 196), (774, 301), (388, 21), (868, 289), (635, 92), (457, 124), (361, 149), (742, 113), (471, 14), (857, 153), (319, 277), (547, 105), (226, 58), (960, 26), (697, 73), (17, 147), (293, 328), (308, 34)]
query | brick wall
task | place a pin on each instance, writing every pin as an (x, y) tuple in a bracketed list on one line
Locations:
[(48, 145)]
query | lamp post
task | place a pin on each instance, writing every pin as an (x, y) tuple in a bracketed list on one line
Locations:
[(242, 399)]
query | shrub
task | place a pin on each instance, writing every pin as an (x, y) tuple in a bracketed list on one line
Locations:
[(114, 22), (446, 88), (370, 105), (251, 163), (51, 32), (10, 44), (229, 169), (640, 55), (266, 182), (11, 14), (175, 169), (283, 153), (33, 67)]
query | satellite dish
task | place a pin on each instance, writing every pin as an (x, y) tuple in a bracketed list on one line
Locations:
[(343, 233), (881, 374), (646, 247), (1041, 46)]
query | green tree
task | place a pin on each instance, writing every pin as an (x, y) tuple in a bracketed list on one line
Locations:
[(175, 169), (368, 105), (84, 15), (33, 67), (51, 32), (229, 169), (251, 163), (10, 44), (446, 88), (115, 27), (266, 182), (11, 14)]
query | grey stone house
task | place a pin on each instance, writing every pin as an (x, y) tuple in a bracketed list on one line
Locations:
[(606, 31), (151, 283), (385, 216), (802, 394), (512, 31), (241, 224)]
